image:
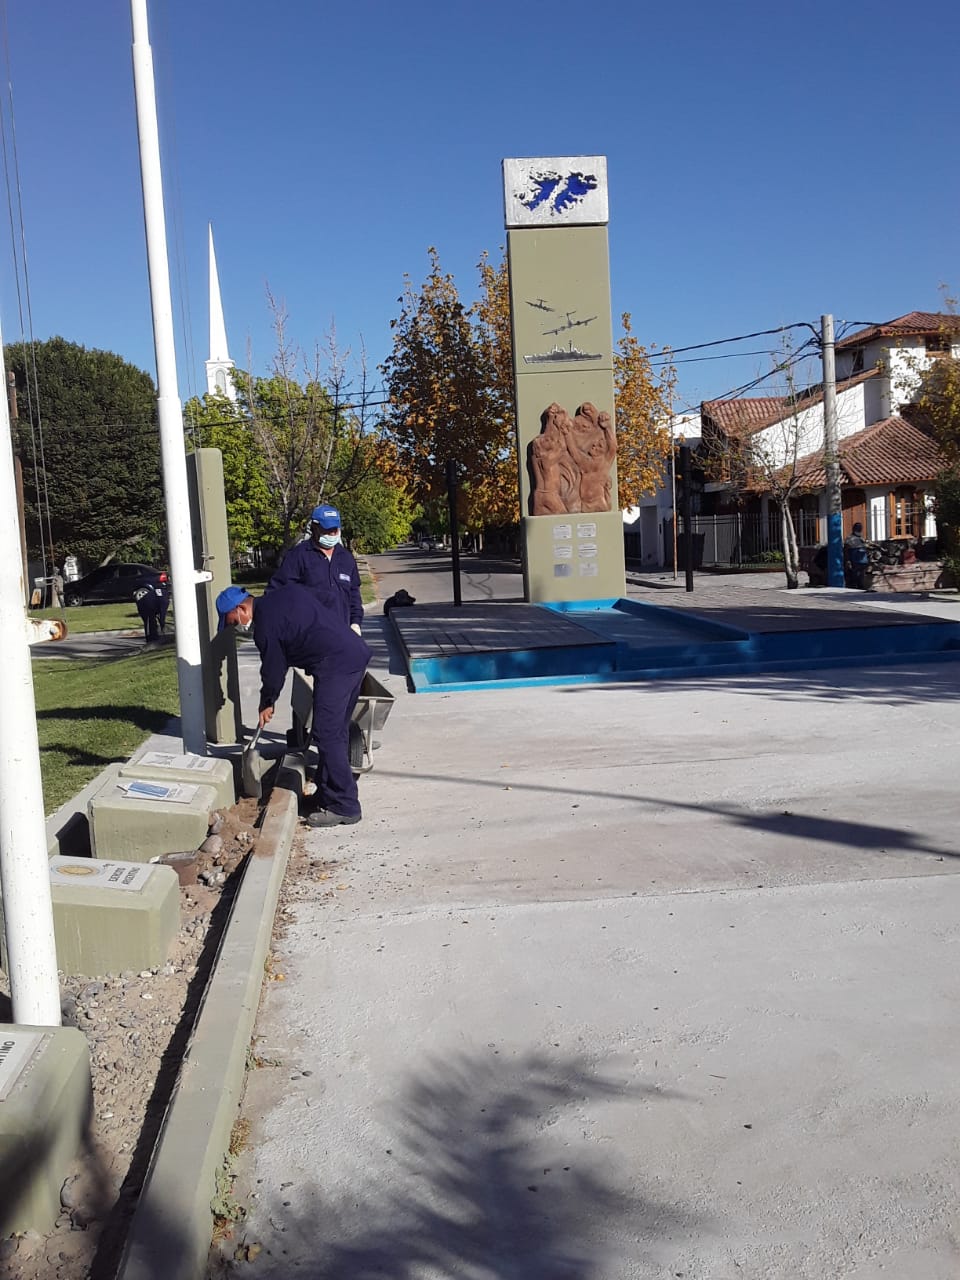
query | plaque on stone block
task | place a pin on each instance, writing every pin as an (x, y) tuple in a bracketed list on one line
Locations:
[(589, 569), (562, 570), (142, 789), (167, 760), (563, 531), (17, 1049), (587, 530), (93, 873), (587, 550), (562, 552)]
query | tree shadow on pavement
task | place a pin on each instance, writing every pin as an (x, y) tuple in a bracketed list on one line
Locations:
[(480, 1177), (143, 717), (894, 683), (801, 826)]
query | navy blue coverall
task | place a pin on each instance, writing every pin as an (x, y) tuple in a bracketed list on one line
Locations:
[(334, 580), (291, 628), (151, 607)]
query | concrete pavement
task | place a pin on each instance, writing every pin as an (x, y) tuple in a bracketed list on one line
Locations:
[(623, 981)]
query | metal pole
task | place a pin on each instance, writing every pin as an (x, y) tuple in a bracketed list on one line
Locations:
[(686, 469), (831, 461), (454, 527), (673, 501), (170, 414), (24, 862)]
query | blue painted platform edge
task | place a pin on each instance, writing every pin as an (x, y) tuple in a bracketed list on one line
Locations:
[(768, 651), (679, 618), (725, 671)]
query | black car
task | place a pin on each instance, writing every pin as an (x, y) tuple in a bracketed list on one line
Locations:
[(111, 583)]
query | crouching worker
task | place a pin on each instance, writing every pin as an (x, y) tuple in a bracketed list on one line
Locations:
[(150, 606), (291, 628)]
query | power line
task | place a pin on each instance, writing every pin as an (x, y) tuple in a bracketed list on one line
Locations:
[(801, 353), (729, 355), (719, 342), (36, 432)]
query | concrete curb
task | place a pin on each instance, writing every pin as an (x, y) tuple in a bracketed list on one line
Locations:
[(170, 1233)]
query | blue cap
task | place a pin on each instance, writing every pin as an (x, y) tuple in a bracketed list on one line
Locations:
[(227, 600), (326, 517)]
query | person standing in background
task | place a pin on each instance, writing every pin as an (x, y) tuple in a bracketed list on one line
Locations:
[(325, 567), (56, 588), (164, 590), (856, 559)]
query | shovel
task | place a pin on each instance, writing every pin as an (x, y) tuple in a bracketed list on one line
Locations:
[(252, 768)]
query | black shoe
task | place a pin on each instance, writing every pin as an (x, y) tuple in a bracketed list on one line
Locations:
[(327, 818)]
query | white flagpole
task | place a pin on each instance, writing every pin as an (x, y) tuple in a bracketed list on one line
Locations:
[(24, 863), (173, 456)]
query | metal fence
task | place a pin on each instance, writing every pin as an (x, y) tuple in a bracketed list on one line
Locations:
[(739, 539)]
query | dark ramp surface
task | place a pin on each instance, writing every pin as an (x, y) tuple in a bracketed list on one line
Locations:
[(474, 645)]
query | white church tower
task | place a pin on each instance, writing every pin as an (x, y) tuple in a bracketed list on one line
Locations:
[(219, 365)]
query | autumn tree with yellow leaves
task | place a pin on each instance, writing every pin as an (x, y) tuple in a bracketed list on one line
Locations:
[(643, 397), (450, 382), (439, 386)]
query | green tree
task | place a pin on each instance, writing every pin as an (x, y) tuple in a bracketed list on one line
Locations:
[(377, 513), (214, 422), (90, 451), (310, 432), (439, 382), (933, 386)]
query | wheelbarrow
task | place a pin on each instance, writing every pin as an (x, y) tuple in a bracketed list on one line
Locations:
[(369, 716)]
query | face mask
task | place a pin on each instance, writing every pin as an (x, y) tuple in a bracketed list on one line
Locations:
[(328, 540)]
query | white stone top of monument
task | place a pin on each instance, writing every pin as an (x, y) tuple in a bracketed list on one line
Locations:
[(557, 191)]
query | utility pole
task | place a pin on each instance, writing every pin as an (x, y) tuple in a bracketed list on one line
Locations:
[(686, 471), (169, 410), (454, 528), (24, 861), (831, 460)]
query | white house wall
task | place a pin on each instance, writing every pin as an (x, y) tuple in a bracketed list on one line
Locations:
[(802, 434)]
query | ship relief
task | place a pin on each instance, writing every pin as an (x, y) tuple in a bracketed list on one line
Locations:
[(562, 322)]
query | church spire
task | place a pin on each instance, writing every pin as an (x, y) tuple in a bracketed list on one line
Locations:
[(219, 364)]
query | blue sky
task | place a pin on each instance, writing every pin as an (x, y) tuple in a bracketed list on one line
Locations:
[(767, 163)]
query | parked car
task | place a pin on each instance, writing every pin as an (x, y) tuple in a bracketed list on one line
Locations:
[(112, 583)]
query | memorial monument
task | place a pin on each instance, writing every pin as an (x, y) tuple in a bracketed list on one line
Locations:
[(556, 217)]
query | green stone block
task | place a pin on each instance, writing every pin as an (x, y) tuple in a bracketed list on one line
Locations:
[(163, 766), (45, 1106), (110, 915), (135, 829)]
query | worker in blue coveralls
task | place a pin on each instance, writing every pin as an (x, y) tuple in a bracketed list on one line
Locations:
[(291, 628), (324, 566)]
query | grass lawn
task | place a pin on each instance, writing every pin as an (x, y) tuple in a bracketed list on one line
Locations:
[(95, 617), (124, 617), (91, 712)]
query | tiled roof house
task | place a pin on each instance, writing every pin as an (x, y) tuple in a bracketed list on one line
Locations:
[(888, 464)]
